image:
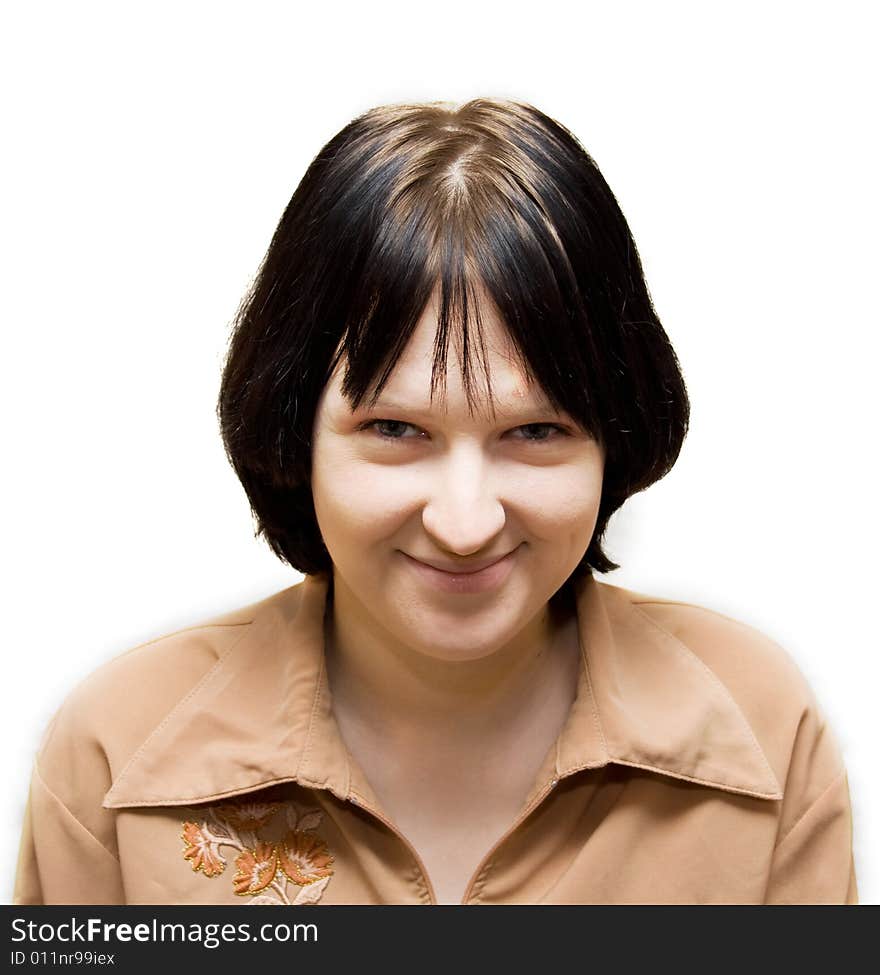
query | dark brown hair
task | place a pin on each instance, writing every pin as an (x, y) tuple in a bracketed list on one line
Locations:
[(490, 198)]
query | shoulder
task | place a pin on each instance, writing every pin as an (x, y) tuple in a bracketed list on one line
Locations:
[(761, 676), (108, 715), (741, 654)]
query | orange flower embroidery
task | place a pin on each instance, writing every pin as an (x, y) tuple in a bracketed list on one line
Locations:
[(203, 849), (256, 869), (267, 836), (304, 858), (249, 816)]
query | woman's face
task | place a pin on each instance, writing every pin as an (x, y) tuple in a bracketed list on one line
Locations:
[(409, 485)]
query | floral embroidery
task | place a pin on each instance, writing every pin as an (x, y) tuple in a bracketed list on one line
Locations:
[(256, 868), (276, 845), (203, 848), (304, 858), (249, 816)]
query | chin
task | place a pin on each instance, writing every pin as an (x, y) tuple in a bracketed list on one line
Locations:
[(448, 633), (458, 653)]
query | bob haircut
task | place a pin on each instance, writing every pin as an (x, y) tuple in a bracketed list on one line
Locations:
[(492, 198)]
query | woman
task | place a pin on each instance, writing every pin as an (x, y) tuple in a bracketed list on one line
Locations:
[(450, 707)]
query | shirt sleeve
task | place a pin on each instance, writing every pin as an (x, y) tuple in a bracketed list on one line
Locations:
[(813, 863), (60, 861)]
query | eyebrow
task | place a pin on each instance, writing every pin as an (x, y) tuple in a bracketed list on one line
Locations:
[(504, 409)]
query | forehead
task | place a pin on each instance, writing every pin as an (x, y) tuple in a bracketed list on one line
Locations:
[(409, 384)]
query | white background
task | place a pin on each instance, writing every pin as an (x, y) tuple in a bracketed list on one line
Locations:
[(149, 152)]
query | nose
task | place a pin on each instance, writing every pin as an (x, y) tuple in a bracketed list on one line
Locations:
[(464, 513)]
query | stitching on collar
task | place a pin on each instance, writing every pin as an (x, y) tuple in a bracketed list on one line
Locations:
[(692, 658), (594, 709), (205, 680)]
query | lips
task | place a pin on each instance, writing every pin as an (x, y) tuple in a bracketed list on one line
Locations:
[(471, 579), (462, 568)]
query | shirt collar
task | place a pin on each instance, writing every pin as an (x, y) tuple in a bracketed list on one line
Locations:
[(262, 714)]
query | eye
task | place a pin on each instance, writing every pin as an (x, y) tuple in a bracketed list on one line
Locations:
[(546, 431), (395, 426), (528, 433)]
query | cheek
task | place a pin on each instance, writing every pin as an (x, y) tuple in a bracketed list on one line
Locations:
[(563, 500), (358, 499)]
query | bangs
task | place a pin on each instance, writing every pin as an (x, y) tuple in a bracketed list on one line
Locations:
[(466, 242)]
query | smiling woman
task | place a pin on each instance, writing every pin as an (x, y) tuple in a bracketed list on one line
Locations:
[(450, 707), (411, 502)]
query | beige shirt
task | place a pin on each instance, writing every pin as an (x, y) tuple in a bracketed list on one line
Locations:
[(206, 767)]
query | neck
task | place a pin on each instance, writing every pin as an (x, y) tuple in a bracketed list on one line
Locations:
[(414, 703)]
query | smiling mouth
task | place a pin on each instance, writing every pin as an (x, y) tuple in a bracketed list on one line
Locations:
[(472, 580), (462, 570)]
